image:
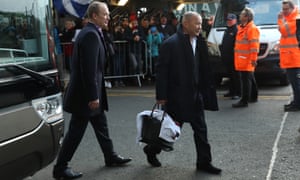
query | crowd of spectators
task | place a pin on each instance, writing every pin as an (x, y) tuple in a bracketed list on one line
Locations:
[(132, 43)]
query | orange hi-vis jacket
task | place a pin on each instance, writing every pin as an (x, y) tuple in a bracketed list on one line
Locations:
[(246, 47), (289, 45)]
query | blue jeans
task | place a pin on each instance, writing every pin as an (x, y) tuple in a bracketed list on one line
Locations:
[(294, 78), (119, 64)]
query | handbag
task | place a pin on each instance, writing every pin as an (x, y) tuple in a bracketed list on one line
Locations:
[(151, 127)]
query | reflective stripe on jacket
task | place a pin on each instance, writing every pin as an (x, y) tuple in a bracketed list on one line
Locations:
[(289, 45), (246, 47)]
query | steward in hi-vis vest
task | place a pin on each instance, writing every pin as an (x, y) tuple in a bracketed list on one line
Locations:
[(289, 44), (289, 27), (246, 47), (245, 57)]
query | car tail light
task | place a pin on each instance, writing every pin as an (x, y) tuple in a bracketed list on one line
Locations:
[(49, 108)]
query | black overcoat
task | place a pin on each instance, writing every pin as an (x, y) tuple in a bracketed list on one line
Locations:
[(227, 46), (87, 76), (175, 80)]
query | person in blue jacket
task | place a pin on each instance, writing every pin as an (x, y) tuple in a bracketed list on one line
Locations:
[(153, 40)]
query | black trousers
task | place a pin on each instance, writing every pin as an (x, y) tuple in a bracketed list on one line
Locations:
[(234, 76), (199, 127), (249, 87), (75, 133)]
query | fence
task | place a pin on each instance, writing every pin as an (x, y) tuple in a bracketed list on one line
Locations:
[(129, 60)]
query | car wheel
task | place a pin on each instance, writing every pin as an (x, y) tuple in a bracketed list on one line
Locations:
[(284, 81)]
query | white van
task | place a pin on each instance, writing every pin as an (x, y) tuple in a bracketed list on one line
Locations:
[(265, 18)]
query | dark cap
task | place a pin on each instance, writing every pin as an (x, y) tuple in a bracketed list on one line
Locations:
[(231, 16)]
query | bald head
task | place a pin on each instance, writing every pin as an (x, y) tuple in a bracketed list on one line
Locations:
[(189, 15), (191, 23)]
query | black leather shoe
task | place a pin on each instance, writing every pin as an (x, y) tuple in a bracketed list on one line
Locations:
[(291, 108), (252, 100), (287, 105), (67, 173), (239, 104), (235, 97), (208, 168), (228, 94), (117, 160), (151, 158)]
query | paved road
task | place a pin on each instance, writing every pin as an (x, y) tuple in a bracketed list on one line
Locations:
[(260, 142)]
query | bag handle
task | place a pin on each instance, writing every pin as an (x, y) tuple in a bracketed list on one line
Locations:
[(157, 105)]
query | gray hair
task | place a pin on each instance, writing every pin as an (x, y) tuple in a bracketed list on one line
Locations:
[(289, 2), (248, 12), (94, 8)]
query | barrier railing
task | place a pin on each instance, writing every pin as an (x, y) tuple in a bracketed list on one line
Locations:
[(129, 60)]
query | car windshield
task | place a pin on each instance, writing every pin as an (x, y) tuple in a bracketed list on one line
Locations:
[(265, 12)]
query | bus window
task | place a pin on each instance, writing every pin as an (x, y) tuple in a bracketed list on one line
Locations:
[(31, 115), (23, 34)]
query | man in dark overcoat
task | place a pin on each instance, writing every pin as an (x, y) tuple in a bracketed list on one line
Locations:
[(184, 87), (85, 97), (227, 54)]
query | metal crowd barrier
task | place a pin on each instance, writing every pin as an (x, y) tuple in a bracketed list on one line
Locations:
[(63, 61), (129, 60)]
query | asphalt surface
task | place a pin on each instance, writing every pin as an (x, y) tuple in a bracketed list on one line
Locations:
[(258, 142)]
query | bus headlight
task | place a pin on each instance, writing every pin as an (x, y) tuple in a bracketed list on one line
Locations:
[(49, 108), (274, 50)]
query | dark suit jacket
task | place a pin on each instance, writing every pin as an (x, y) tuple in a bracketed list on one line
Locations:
[(87, 78), (175, 78)]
